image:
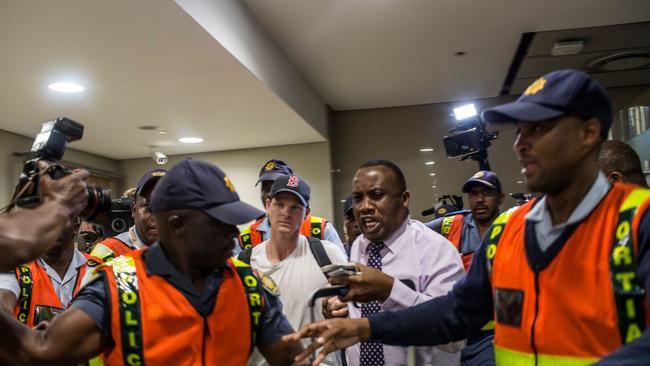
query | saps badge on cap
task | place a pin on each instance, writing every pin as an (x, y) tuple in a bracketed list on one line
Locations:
[(556, 94), (273, 169), (485, 178), (194, 184), (292, 184)]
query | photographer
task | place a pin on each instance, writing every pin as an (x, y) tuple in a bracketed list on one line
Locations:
[(142, 233), (27, 234)]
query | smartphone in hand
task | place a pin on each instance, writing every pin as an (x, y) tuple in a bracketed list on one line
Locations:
[(334, 270)]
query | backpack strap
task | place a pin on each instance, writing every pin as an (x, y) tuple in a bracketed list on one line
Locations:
[(318, 250)]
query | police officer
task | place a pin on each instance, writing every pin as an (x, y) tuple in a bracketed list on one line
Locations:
[(39, 290), (142, 233), (621, 163), (566, 275), (313, 226), (181, 301), (484, 195)]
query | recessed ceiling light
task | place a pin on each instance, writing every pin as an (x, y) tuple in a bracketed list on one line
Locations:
[(162, 132), (66, 87), (432, 174), (434, 186), (520, 182), (190, 140), (429, 163), (342, 201), (426, 149)]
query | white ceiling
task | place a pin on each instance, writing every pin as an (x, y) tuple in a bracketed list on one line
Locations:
[(379, 53), (143, 62)]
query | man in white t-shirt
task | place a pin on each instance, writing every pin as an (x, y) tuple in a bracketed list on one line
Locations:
[(287, 256)]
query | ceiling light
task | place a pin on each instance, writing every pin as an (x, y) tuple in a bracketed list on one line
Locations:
[(426, 149), (465, 111), (342, 201), (432, 174), (162, 132), (520, 182), (429, 163), (66, 87), (434, 186), (190, 140)]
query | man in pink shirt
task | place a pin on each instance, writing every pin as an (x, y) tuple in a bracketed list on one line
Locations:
[(402, 263)]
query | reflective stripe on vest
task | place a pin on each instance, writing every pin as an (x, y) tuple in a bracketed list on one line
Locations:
[(250, 237), (452, 229), (254, 296), (628, 291), (37, 300), (316, 227), (494, 235), (130, 319), (509, 357), (26, 282)]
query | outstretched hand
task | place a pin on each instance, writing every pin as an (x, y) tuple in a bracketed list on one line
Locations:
[(331, 335)]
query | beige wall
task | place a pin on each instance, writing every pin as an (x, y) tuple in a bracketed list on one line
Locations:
[(11, 166), (311, 161)]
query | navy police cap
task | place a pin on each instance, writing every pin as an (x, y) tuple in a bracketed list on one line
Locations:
[(556, 94), (194, 184), (273, 169)]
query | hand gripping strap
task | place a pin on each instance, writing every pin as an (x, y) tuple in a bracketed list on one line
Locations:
[(628, 293), (26, 282), (129, 308)]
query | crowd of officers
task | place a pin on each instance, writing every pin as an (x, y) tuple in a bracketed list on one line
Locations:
[(557, 280)]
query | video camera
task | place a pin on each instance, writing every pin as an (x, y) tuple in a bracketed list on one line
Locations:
[(469, 139)]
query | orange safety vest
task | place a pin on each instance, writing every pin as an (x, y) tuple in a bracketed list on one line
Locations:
[(578, 306), (108, 249), (312, 226), (37, 294), (452, 229), (152, 322)]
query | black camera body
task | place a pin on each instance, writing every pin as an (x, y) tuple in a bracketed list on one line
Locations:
[(470, 139), (49, 147), (120, 217)]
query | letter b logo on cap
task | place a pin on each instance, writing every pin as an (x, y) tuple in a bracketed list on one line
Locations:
[(293, 181)]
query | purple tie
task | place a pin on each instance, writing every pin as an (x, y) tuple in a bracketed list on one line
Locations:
[(372, 353)]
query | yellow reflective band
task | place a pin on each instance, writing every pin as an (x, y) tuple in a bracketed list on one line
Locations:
[(507, 357), (102, 252), (316, 219), (489, 325), (238, 263), (635, 199)]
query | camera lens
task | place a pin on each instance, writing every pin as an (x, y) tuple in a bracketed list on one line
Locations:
[(119, 225), (99, 202)]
